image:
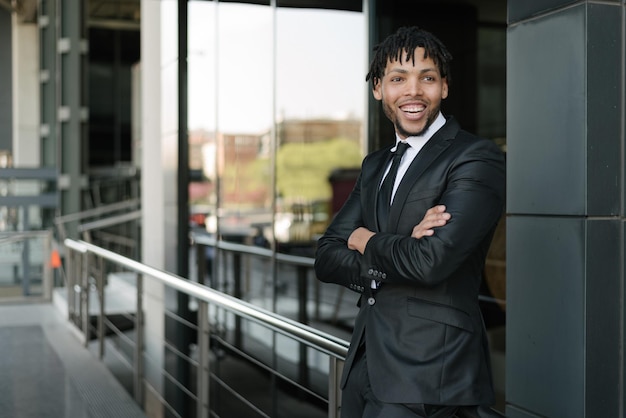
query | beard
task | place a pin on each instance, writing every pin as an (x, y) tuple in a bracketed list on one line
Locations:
[(404, 132)]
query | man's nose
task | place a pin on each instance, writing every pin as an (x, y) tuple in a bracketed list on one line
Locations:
[(414, 87)]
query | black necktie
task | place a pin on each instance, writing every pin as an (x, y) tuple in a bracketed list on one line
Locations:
[(384, 193)]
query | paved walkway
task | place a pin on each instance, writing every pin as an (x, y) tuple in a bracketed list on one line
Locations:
[(46, 372)]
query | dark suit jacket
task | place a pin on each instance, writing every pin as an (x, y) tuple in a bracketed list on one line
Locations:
[(424, 333)]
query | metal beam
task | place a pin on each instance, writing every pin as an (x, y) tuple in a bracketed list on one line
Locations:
[(45, 200), (28, 173)]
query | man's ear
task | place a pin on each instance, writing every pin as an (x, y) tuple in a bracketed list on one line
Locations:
[(377, 90), (444, 89)]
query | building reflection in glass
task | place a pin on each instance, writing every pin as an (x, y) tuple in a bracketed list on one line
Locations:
[(274, 111)]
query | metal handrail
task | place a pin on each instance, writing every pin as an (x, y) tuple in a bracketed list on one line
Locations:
[(301, 263), (61, 221), (100, 210), (7, 237), (111, 221), (22, 173), (322, 341), (334, 347), (251, 250)]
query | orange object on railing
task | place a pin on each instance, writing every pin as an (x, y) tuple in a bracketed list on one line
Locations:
[(55, 259)]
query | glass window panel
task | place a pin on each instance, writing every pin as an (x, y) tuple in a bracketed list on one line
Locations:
[(244, 120), (202, 66), (320, 101), (202, 115), (202, 122)]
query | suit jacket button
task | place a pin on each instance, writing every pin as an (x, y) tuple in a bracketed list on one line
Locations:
[(370, 271), (383, 276), (371, 301)]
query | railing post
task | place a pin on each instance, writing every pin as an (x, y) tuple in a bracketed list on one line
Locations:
[(203, 360), (139, 337), (303, 318), (26, 271), (334, 387), (100, 283), (237, 292), (303, 315), (70, 275), (47, 266), (84, 297), (201, 263)]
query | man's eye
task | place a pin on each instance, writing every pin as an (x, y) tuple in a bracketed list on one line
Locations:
[(396, 79), (428, 78)]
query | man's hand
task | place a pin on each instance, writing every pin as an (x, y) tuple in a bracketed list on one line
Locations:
[(435, 217), (358, 239)]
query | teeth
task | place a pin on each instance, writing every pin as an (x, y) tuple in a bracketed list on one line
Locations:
[(413, 109)]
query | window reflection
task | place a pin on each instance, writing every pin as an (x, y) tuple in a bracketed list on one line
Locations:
[(276, 133), (273, 115), (320, 101), (244, 119), (202, 124), (230, 115)]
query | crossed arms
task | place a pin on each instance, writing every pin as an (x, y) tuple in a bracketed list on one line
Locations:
[(434, 217), (458, 226)]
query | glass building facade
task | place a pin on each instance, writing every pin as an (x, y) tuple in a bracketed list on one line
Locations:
[(277, 111), (274, 107), (256, 109), (276, 119), (279, 119)]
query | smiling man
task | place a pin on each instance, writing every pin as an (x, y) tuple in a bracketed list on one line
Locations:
[(412, 239), (411, 90)]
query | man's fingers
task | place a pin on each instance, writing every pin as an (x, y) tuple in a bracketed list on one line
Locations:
[(435, 210), (434, 217)]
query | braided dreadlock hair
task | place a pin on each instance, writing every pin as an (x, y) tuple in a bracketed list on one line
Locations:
[(404, 41)]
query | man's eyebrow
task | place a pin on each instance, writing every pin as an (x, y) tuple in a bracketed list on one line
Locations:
[(398, 70), (405, 71)]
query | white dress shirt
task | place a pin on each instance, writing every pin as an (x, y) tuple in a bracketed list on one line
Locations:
[(416, 143)]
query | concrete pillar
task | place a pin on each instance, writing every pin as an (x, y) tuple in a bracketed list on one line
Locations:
[(25, 103), (565, 239), (25, 61), (158, 180)]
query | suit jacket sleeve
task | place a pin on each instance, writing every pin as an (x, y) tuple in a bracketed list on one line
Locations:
[(334, 261), (474, 195)]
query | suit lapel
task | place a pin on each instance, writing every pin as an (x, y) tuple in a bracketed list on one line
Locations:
[(431, 150), (384, 157)]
